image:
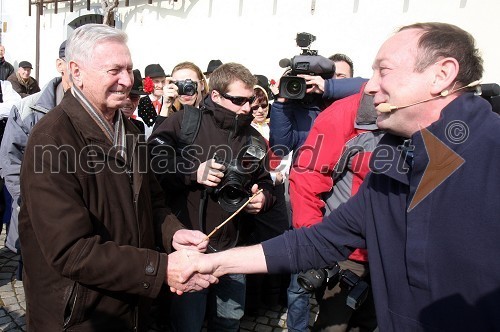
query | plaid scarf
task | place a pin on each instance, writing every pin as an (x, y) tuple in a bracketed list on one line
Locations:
[(115, 135)]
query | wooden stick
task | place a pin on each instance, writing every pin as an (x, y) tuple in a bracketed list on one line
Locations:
[(232, 216)]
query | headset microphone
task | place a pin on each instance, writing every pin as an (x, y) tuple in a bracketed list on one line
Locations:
[(386, 107)]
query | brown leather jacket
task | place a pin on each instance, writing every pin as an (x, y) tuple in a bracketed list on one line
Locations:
[(87, 226), (24, 90)]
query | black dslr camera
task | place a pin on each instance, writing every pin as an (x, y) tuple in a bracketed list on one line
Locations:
[(309, 62), (234, 189), (312, 280), (187, 87)]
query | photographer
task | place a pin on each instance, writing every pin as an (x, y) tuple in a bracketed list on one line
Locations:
[(291, 120), (194, 177), (186, 86)]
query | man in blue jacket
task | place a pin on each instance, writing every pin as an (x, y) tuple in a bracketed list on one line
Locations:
[(291, 120), (428, 212)]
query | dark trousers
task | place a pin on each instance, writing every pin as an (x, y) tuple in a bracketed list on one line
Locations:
[(268, 289)]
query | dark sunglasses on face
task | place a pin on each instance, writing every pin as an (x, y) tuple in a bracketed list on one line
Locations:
[(256, 107), (240, 101)]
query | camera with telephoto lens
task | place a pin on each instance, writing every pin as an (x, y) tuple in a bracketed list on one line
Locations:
[(312, 280), (187, 87), (309, 63), (235, 187)]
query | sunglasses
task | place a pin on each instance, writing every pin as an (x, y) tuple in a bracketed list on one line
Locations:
[(256, 107), (240, 101)]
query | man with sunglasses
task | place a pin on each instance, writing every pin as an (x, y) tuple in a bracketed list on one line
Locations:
[(190, 175)]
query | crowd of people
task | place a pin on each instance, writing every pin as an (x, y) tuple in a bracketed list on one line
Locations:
[(174, 193)]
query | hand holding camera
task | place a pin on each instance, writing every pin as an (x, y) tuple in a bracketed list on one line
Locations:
[(169, 95), (175, 88), (315, 84), (210, 173), (294, 84)]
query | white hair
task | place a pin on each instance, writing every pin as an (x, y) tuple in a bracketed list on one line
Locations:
[(80, 46)]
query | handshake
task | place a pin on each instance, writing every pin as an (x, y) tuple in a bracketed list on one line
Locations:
[(188, 269)]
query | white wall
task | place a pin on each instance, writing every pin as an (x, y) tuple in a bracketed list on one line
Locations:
[(256, 33)]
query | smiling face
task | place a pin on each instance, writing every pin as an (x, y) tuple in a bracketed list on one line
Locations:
[(130, 105), (396, 81), (106, 79), (24, 72), (159, 83)]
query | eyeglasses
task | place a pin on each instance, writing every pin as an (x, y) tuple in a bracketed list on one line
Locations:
[(240, 101), (256, 107)]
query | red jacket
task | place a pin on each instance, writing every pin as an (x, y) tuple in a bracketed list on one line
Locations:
[(311, 176)]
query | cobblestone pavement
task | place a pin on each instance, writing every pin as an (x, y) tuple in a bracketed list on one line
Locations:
[(13, 302)]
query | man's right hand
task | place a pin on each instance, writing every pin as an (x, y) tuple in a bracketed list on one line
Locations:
[(210, 173), (182, 275)]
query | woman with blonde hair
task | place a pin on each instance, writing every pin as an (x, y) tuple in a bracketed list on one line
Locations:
[(187, 86)]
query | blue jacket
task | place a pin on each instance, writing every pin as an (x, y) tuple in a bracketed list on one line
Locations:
[(22, 118), (434, 265), (291, 121)]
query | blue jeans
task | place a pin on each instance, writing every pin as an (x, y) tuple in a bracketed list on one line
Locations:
[(298, 307), (224, 303)]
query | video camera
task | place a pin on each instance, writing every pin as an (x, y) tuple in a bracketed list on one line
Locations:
[(234, 189), (309, 63), (312, 280)]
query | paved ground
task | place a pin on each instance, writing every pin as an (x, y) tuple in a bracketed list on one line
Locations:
[(13, 303)]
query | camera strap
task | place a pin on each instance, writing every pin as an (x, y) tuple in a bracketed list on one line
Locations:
[(202, 212), (191, 121)]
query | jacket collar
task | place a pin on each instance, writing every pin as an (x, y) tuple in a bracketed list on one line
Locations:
[(224, 118), (390, 159), (85, 124), (47, 99)]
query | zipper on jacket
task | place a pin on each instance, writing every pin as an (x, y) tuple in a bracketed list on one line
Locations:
[(134, 196), (233, 134), (73, 305)]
